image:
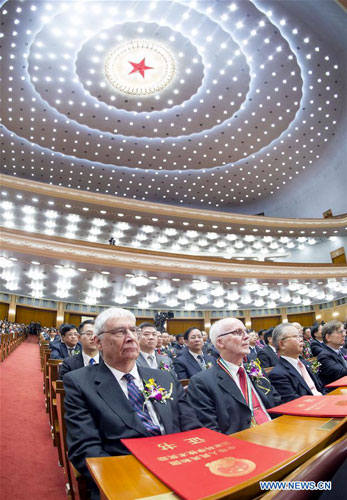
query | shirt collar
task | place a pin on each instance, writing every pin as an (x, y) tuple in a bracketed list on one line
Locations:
[(292, 361), (195, 356), (146, 354), (118, 374), (232, 367), (87, 358)]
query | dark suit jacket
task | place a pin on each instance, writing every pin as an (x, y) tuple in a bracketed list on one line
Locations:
[(254, 353), (333, 366), (179, 348), (219, 403), (186, 365), (210, 350), (98, 414), (316, 347), (59, 350), (267, 357), (71, 363), (289, 382)]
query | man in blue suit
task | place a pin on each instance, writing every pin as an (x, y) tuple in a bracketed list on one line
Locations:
[(193, 359), (332, 358), (106, 403), (69, 345), (225, 398), (292, 377), (316, 344), (89, 354)]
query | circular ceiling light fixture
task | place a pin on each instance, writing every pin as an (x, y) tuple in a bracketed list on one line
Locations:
[(139, 67)]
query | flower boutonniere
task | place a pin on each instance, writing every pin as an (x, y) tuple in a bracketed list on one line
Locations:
[(344, 356), (209, 365), (315, 366), (255, 371), (164, 366), (153, 392), (76, 351)]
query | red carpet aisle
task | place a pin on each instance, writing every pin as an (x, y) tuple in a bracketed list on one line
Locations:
[(28, 462)]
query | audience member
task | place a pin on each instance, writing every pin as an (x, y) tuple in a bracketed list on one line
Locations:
[(147, 335), (69, 345), (89, 354), (268, 356), (254, 349), (192, 360), (332, 359), (292, 377), (225, 398), (317, 340), (107, 402), (179, 344)]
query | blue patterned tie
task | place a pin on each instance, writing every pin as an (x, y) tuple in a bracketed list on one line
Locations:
[(136, 399), (91, 361), (201, 362)]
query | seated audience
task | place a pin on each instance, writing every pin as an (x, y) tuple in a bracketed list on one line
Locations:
[(317, 340), (68, 345), (89, 354), (268, 356), (261, 341), (225, 398), (192, 360), (292, 377), (106, 403), (307, 352), (147, 335), (254, 349), (332, 359)]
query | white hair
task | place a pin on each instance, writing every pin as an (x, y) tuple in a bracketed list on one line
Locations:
[(112, 312), (217, 329)]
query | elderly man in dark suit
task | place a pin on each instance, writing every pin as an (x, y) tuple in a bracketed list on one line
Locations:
[(147, 335), (193, 360), (108, 402), (68, 345), (268, 356), (89, 354), (291, 376), (226, 398), (332, 358)]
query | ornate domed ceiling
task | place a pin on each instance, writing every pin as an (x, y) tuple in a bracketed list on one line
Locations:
[(212, 104), (177, 105)]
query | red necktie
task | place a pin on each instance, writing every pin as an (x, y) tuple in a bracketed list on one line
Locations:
[(259, 414)]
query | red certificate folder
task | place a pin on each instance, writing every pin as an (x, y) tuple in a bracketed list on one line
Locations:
[(197, 464), (314, 406), (338, 383)]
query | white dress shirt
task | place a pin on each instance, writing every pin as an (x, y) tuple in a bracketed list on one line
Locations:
[(87, 358), (151, 362)]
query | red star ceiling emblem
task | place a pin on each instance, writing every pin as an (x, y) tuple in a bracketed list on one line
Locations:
[(140, 67)]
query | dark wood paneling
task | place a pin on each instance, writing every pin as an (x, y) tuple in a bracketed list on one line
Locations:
[(305, 319), (3, 310), (176, 326), (263, 323), (27, 314)]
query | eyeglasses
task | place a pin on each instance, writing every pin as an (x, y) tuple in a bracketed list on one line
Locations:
[(88, 334), (297, 337), (121, 332), (238, 333)]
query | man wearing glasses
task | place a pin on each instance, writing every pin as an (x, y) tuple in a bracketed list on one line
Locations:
[(225, 397), (333, 357), (89, 354), (105, 403), (292, 376), (68, 345)]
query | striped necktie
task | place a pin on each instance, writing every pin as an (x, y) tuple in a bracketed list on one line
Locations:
[(92, 361), (136, 399)]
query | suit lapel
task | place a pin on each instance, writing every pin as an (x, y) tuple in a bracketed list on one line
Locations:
[(294, 373), (228, 385), (110, 391), (192, 361)]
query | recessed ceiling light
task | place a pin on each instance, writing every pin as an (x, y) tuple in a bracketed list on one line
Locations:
[(82, 269), (35, 262), (105, 272)]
